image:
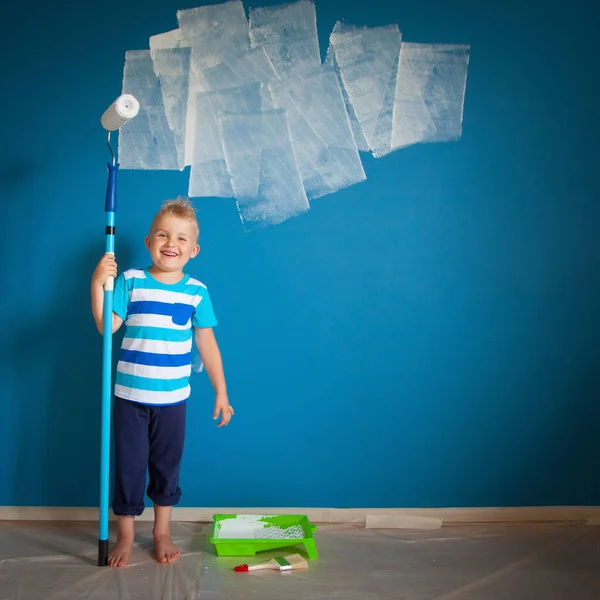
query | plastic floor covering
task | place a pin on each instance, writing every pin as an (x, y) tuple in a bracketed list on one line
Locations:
[(54, 561)]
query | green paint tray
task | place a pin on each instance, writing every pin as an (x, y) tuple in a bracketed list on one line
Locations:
[(245, 535)]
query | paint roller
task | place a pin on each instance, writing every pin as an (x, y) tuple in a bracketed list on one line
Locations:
[(124, 108)]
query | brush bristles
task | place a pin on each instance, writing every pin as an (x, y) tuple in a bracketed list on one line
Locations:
[(296, 561)]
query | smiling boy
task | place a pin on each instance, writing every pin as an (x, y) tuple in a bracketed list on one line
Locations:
[(163, 310)]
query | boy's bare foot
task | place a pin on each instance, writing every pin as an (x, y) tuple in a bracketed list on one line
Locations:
[(165, 549), (119, 554)]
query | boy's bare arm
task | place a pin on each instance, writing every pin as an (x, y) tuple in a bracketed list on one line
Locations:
[(211, 359), (107, 267)]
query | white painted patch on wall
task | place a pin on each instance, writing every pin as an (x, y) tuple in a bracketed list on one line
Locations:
[(250, 107), (216, 34), (324, 145), (249, 67), (146, 142), (367, 59), (361, 142), (430, 93), (264, 173), (288, 33), (167, 40), (253, 66), (209, 175), (172, 67)]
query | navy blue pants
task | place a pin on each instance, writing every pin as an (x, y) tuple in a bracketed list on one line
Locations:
[(147, 438)]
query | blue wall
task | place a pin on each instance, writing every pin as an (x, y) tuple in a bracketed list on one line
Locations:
[(426, 338)]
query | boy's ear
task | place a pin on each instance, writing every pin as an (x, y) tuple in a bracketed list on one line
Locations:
[(147, 242), (195, 251)]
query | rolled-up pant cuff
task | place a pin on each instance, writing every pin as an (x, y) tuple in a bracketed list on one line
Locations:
[(127, 510), (161, 500)]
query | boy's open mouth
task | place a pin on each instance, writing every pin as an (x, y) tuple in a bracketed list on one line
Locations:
[(169, 254)]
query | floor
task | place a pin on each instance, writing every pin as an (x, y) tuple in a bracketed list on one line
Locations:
[(500, 562)]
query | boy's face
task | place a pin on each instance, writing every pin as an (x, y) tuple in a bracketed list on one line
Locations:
[(172, 242)]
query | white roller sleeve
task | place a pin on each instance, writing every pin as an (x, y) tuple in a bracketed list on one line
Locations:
[(125, 107)]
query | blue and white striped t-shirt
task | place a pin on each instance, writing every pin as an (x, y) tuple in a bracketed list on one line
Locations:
[(155, 360)]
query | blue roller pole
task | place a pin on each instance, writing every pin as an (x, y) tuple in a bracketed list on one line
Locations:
[(111, 209)]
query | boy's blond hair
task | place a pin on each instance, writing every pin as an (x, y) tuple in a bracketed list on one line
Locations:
[(180, 207)]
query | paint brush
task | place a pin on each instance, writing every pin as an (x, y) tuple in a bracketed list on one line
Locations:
[(279, 563)]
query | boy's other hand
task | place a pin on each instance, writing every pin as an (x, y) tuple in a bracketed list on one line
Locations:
[(107, 267), (222, 406)]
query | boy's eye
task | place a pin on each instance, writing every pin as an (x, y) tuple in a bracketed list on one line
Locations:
[(182, 239)]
